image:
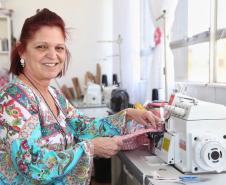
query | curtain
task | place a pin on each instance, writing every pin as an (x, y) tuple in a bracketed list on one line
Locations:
[(156, 77), (126, 23), (147, 45)]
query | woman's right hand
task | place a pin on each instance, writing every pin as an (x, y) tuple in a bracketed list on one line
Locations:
[(106, 146)]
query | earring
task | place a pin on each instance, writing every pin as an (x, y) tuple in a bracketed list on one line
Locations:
[(22, 62)]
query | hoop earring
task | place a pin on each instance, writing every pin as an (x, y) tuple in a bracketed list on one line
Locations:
[(22, 62)]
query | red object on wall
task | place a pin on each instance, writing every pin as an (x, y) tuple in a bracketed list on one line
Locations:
[(4, 77), (157, 36)]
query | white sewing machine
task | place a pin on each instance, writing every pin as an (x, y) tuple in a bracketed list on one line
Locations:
[(195, 137)]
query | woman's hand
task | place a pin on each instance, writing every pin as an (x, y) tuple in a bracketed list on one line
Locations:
[(143, 117), (106, 146)]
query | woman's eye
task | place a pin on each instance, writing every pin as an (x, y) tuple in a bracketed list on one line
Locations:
[(60, 48), (41, 47)]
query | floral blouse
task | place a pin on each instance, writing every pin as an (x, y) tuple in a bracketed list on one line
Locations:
[(35, 148)]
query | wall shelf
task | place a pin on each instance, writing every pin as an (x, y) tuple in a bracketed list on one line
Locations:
[(5, 37), (4, 52)]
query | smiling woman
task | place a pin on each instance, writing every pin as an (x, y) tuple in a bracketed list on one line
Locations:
[(43, 138), (45, 54), (47, 40)]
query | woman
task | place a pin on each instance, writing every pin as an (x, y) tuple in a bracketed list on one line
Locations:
[(43, 138)]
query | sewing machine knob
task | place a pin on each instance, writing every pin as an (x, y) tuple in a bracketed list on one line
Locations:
[(179, 111), (176, 110), (215, 155)]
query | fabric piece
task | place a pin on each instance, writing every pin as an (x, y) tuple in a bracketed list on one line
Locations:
[(137, 136)]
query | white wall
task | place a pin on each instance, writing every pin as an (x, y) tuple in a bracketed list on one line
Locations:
[(87, 22)]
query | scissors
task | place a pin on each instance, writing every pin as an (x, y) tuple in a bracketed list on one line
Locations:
[(192, 179), (182, 179)]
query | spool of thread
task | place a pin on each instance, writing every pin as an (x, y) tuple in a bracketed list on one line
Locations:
[(115, 79), (155, 94), (104, 80)]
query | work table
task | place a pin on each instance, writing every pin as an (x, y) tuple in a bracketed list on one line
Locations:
[(138, 166)]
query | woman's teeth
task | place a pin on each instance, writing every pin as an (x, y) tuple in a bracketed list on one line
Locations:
[(51, 65)]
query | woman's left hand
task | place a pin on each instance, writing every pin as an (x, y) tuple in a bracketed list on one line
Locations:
[(143, 117)]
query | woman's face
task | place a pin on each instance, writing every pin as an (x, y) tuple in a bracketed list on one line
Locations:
[(45, 54)]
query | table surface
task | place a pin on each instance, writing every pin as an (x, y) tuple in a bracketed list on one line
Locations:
[(141, 163)]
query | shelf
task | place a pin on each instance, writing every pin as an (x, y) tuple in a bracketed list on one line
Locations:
[(5, 37), (4, 52), (6, 12)]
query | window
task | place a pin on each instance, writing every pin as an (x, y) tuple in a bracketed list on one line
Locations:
[(198, 61), (221, 61), (198, 41), (198, 16), (221, 42)]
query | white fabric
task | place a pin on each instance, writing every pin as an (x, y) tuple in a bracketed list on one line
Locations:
[(147, 44), (156, 76), (126, 23)]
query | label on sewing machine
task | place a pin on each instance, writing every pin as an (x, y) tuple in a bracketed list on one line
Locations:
[(165, 144), (182, 145)]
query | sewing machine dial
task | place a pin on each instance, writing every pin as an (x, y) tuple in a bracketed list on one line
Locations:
[(177, 111), (209, 155)]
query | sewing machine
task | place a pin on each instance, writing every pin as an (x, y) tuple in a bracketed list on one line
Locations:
[(194, 140)]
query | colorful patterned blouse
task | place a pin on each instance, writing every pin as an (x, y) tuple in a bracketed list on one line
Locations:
[(35, 149)]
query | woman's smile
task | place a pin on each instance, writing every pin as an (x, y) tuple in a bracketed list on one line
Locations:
[(51, 64)]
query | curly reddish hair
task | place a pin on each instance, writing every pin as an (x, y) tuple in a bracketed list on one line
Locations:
[(31, 25)]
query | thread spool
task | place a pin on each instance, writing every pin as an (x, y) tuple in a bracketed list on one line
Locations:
[(115, 79), (155, 94), (104, 80)]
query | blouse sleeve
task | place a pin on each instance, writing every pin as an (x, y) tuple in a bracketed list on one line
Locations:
[(84, 127), (43, 165), (20, 131)]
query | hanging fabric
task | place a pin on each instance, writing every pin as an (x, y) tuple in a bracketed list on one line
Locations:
[(162, 13)]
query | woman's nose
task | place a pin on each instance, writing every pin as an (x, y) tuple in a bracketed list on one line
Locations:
[(52, 53)]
